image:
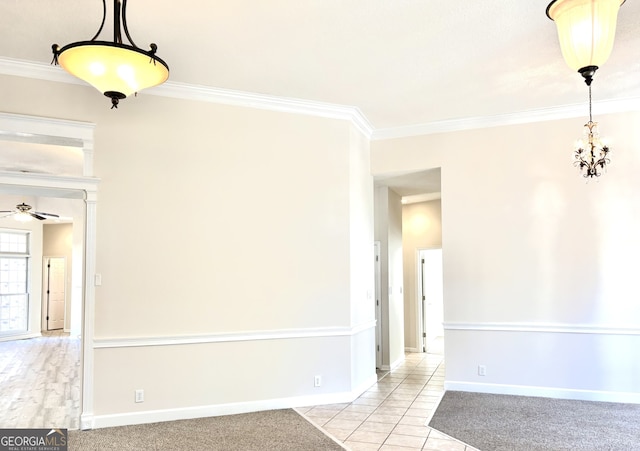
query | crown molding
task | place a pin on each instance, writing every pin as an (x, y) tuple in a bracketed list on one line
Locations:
[(523, 117), (41, 71), (262, 101), (29, 69)]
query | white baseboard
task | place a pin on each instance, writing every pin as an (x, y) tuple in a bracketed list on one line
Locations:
[(544, 392), (89, 421), (412, 350)]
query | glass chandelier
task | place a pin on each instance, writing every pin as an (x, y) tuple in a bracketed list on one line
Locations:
[(114, 68), (586, 30), (591, 155)]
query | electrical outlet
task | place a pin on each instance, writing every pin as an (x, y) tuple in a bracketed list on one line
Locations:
[(139, 395), (482, 370), (317, 381)]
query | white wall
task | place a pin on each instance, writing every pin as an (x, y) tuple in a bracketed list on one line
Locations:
[(539, 266), (421, 229), (255, 282)]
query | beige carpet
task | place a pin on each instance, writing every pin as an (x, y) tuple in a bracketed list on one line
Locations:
[(282, 430), (521, 423)]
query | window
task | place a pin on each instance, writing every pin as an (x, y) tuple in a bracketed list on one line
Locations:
[(14, 287)]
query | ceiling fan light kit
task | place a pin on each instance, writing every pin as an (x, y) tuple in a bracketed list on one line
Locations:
[(113, 67), (586, 30), (23, 213)]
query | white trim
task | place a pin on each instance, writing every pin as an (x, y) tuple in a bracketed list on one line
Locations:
[(283, 334), (262, 101), (544, 328), (46, 126), (183, 413), (42, 71), (88, 323), (55, 182), (545, 392), (37, 70), (81, 187), (523, 117), (415, 350)]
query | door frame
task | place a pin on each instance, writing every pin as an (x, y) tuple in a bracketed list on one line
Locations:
[(85, 187), (378, 304), (421, 337), (45, 291)]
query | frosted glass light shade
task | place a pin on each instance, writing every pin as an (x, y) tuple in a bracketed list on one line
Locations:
[(586, 29), (113, 69)]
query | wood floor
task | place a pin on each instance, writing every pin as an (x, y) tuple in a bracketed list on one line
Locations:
[(40, 382)]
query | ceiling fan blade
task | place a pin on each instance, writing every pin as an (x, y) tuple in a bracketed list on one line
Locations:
[(37, 216), (7, 211), (46, 214)]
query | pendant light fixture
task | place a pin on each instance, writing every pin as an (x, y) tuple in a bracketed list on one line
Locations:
[(113, 67), (586, 29)]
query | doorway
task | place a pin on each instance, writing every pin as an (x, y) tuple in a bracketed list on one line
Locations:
[(54, 284), (61, 167), (430, 300)]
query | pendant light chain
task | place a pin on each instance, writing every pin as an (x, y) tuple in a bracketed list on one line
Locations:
[(590, 108)]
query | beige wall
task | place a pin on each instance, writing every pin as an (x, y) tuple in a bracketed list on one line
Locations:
[(538, 264), (58, 242), (421, 229), (257, 209)]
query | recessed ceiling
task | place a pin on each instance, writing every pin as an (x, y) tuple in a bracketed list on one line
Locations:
[(40, 158)]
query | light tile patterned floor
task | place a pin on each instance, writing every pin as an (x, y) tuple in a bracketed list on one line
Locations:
[(40, 382), (392, 414)]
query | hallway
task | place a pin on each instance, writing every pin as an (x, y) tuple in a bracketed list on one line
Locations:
[(392, 414)]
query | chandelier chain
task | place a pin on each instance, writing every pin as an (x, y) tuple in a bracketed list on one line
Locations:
[(590, 115)]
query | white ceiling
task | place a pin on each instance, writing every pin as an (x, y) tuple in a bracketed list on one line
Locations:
[(401, 62)]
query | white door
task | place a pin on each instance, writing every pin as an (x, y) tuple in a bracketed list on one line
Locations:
[(55, 276), (432, 300)]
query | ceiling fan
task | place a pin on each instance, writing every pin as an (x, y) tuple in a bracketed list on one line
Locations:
[(23, 212)]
